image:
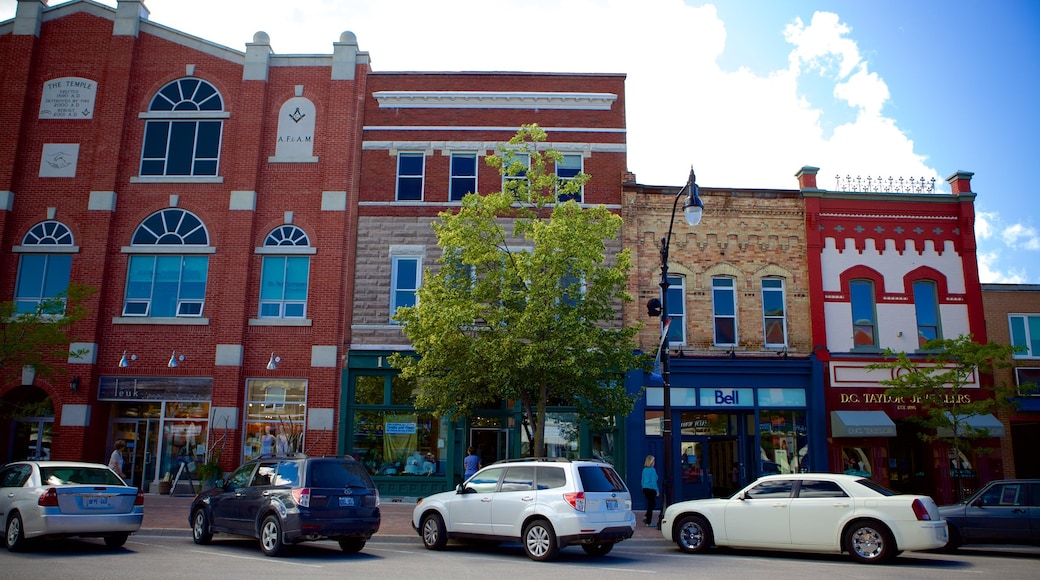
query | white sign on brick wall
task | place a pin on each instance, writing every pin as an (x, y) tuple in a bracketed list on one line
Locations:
[(68, 98)]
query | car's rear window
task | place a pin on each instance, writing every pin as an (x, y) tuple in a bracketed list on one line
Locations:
[(551, 477), (78, 475), (600, 478), (338, 474), (876, 487)]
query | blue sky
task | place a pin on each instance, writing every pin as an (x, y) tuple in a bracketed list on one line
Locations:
[(746, 91)]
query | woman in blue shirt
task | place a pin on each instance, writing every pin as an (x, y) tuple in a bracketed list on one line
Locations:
[(650, 490), (470, 464)]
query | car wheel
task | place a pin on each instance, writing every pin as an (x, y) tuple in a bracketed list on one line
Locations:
[(434, 536), (540, 541), (601, 549), (870, 542), (116, 540), (15, 534), (271, 536), (351, 545), (200, 531), (693, 535)]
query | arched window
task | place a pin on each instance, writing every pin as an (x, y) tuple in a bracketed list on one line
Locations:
[(864, 314), (183, 129), (724, 310), (160, 284), (774, 312), (677, 310), (926, 305), (44, 267), (285, 273)]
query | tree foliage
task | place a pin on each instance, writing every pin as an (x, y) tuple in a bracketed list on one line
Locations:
[(40, 338), (946, 387), (524, 302)]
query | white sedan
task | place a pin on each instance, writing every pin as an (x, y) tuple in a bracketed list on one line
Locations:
[(60, 499), (810, 512)]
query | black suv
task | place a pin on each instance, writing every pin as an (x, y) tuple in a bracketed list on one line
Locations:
[(284, 500)]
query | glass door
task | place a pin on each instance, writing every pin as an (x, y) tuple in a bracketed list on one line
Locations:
[(490, 444), (32, 439)]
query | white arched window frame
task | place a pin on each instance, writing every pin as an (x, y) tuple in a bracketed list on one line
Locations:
[(44, 265), (285, 273), (183, 130), (168, 266)]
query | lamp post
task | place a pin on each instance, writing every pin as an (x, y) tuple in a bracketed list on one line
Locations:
[(692, 208)]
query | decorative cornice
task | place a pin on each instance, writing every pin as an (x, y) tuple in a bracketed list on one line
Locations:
[(493, 100)]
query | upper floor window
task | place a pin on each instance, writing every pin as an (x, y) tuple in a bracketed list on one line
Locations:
[(724, 310), (774, 312), (514, 178), (566, 170), (864, 317), (183, 130), (463, 175), (45, 267), (926, 304), (164, 284), (677, 310), (406, 276), (410, 166), (1025, 333), (284, 278)]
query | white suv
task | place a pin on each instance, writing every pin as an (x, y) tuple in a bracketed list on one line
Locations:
[(546, 504)]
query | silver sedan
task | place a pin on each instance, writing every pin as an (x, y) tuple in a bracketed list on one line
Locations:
[(59, 499)]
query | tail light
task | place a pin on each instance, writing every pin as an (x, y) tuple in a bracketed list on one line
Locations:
[(49, 498), (920, 510), (302, 496), (372, 500), (139, 500), (576, 499)]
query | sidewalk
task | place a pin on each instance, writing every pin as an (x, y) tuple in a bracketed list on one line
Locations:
[(166, 515)]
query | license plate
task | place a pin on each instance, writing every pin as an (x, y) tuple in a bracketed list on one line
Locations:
[(97, 502), (346, 502), (612, 504)]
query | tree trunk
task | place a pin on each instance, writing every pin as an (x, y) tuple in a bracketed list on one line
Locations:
[(539, 425)]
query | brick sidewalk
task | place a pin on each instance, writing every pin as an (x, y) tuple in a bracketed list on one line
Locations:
[(168, 515)]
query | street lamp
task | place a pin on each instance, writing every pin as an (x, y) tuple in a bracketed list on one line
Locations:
[(692, 208)]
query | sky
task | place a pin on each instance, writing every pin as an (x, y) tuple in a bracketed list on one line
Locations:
[(745, 91)]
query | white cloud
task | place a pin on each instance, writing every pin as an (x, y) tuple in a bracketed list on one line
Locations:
[(1019, 236), (989, 272), (984, 224)]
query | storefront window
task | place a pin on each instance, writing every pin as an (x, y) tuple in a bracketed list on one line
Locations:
[(369, 390), (403, 443), (783, 436), (278, 406), (693, 423), (856, 461), (561, 436), (604, 442), (652, 423)]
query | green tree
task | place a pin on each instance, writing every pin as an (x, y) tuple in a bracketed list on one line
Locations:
[(944, 388), (40, 338), (525, 301)]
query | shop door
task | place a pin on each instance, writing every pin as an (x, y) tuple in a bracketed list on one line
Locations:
[(694, 482), (490, 444), (142, 441), (723, 465)]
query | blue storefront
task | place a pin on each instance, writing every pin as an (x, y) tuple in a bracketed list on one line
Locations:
[(734, 418)]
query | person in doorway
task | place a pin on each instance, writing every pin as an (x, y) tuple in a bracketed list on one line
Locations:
[(115, 461), (267, 442), (470, 464), (650, 490)]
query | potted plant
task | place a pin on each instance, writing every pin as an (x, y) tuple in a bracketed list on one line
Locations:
[(166, 484), (210, 472)]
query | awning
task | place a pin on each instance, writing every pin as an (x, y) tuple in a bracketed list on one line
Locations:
[(861, 424), (987, 422)]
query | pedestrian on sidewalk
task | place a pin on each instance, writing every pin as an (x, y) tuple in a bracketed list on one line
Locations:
[(470, 464), (650, 489)]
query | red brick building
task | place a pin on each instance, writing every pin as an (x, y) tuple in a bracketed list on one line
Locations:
[(203, 191)]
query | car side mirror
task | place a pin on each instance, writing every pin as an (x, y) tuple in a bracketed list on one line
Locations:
[(459, 489)]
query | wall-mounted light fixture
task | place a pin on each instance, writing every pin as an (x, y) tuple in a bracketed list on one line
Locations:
[(125, 362), (74, 384), (174, 359), (273, 363)]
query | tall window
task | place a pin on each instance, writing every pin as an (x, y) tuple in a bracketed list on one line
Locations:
[(166, 285), (566, 170), (724, 309), (43, 273), (1025, 333), (279, 404), (406, 277), (182, 131), (774, 313), (926, 303), (410, 167), (389, 437), (284, 278), (515, 178), (463, 175), (864, 317), (677, 310)]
